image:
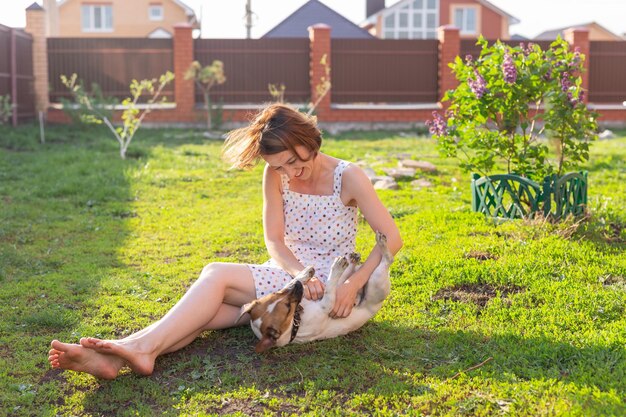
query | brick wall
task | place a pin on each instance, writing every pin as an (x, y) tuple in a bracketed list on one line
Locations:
[(36, 26)]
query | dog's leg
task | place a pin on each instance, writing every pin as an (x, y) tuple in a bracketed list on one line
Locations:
[(337, 270), (354, 260), (381, 242), (378, 286), (305, 275)]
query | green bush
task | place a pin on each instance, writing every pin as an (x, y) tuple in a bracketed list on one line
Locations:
[(507, 100)]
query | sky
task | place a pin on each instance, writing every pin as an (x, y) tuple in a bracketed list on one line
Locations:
[(224, 18)]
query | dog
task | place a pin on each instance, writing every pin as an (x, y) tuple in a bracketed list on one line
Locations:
[(284, 317)]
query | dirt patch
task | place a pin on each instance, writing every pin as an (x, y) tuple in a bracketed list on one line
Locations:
[(478, 294), (479, 234), (615, 282), (480, 255), (56, 376), (52, 375), (253, 408), (614, 233)]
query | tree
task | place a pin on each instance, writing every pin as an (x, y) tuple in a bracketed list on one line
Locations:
[(205, 78), (132, 116)]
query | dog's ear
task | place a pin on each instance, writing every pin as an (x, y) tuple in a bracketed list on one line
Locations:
[(246, 308), (264, 344)]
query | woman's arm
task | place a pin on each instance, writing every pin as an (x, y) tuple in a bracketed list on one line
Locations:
[(274, 232), (357, 188)]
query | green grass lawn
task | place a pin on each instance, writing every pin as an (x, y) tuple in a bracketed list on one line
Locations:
[(93, 245)]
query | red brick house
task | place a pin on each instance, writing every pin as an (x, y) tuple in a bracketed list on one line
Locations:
[(419, 19)]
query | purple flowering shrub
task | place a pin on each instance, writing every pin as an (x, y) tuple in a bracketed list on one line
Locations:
[(511, 104)]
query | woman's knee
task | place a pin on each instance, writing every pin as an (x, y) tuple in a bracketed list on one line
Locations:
[(212, 272), (228, 276)]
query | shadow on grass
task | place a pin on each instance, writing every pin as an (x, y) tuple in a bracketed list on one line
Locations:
[(59, 236), (379, 360)]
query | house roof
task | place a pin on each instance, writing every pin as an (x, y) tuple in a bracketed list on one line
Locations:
[(552, 34), (34, 6), (512, 19), (518, 37), (312, 12)]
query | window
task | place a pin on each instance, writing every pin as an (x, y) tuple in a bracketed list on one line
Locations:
[(417, 19), (390, 22), (97, 18), (466, 19), (404, 20), (155, 12)]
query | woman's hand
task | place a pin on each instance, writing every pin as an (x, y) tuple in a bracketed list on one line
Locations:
[(346, 296), (314, 289)]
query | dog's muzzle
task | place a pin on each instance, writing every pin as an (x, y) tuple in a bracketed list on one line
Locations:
[(296, 289)]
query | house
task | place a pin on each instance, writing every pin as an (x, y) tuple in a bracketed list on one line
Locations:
[(419, 19), (117, 18), (313, 12), (596, 33)]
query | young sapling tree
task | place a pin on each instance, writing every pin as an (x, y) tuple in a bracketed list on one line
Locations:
[(205, 78), (132, 115)]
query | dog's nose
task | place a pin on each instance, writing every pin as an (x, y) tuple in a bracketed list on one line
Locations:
[(298, 290)]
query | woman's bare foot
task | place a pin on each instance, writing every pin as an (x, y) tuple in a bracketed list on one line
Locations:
[(139, 360), (77, 358)]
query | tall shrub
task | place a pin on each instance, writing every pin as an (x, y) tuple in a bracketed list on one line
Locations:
[(509, 99), (6, 109)]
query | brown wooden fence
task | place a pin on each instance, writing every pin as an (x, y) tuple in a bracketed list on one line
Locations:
[(251, 64), (363, 71), (112, 63), (469, 47), (16, 71), (607, 72), (384, 71)]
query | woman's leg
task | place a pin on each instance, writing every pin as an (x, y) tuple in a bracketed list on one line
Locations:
[(225, 318), (212, 302)]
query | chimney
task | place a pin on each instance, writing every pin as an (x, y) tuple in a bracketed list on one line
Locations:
[(373, 6), (52, 12)]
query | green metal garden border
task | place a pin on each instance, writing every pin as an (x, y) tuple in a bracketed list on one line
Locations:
[(512, 196)]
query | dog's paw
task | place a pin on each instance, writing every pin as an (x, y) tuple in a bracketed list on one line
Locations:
[(355, 258), (340, 265), (381, 242), (306, 274), (381, 239)]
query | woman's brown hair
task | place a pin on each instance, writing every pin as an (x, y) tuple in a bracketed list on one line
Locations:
[(277, 128)]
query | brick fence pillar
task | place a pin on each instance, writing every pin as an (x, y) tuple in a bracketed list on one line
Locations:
[(184, 92), (579, 38), (319, 73), (449, 49), (36, 27)]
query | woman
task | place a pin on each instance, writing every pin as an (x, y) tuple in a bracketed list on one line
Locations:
[(310, 203)]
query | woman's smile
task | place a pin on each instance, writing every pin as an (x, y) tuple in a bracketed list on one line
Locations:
[(291, 164)]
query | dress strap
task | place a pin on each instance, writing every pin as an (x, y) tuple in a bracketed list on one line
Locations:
[(285, 182), (338, 176)]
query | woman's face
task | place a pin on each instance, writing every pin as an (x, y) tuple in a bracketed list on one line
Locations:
[(287, 163)]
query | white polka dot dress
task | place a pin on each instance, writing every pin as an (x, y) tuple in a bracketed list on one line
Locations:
[(318, 228)]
